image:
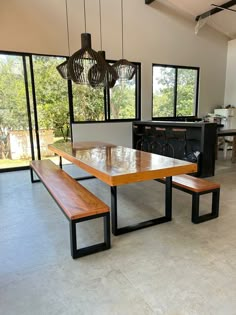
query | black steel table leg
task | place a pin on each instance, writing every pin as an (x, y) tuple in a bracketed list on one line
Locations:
[(77, 178), (129, 228), (114, 210)]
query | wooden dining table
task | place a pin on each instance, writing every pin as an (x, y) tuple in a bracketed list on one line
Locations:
[(117, 165)]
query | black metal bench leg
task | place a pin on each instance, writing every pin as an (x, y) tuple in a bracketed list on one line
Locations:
[(32, 176), (215, 203), (75, 252), (168, 198), (107, 231), (195, 207), (196, 218), (60, 162), (73, 241)]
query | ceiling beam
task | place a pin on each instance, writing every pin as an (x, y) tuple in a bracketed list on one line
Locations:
[(148, 1), (216, 10)]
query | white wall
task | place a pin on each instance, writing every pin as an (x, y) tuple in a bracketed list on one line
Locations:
[(230, 87), (152, 34), (119, 133)]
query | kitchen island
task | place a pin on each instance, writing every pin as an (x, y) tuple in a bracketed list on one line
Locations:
[(191, 141)]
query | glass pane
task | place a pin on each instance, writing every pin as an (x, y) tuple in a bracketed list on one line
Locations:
[(52, 102), (88, 103), (163, 91), (15, 149), (186, 92), (122, 100)]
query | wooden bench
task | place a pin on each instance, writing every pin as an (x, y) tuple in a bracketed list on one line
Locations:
[(76, 202), (197, 187)]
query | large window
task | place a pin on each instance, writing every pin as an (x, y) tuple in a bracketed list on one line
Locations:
[(122, 102), (37, 106), (175, 91)]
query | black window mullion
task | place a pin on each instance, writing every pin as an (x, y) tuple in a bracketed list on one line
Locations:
[(35, 107), (28, 106), (197, 92), (175, 91), (107, 103), (137, 94)]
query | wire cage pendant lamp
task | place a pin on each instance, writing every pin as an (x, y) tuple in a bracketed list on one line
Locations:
[(110, 75), (125, 69), (85, 59), (62, 68)]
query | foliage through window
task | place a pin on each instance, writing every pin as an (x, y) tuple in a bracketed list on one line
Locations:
[(122, 102), (175, 91), (51, 95), (12, 94), (88, 103)]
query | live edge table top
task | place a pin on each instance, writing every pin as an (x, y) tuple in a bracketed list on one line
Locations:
[(118, 165)]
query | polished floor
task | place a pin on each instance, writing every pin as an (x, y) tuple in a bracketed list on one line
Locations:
[(176, 268)]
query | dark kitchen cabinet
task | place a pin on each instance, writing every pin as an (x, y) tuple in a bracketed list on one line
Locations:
[(192, 141)]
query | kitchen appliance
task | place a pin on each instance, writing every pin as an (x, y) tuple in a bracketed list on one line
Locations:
[(229, 117), (229, 121)]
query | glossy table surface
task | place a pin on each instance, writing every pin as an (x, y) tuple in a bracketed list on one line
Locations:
[(118, 165)]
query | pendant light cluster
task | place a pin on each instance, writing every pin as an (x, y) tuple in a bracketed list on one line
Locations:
[(86, 66)]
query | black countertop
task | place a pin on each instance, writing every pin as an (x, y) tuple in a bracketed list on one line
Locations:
[(193, 124)]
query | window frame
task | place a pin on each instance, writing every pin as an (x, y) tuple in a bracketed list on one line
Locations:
[(106, 94), (176, 67)]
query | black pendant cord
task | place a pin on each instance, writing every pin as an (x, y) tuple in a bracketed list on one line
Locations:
[(100, 14), (84, 17), (67, 27), (122, 29)]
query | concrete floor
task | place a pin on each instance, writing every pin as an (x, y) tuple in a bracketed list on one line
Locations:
[(176, 268)]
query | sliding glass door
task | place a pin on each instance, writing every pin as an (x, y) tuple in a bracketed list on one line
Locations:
[(15, 147), (51, 100), (34, 108)]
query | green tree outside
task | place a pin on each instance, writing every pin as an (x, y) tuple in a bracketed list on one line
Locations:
[(163, 92)]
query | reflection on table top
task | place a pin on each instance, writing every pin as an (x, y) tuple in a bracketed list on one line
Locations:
[(117, 165)]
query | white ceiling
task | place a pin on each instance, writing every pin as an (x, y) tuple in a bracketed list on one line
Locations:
[(224, 21)]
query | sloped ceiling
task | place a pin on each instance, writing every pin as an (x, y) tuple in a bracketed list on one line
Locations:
[(224, 21)]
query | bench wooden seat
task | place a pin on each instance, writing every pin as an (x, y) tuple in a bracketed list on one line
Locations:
[(76, 202), (197, 187)]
